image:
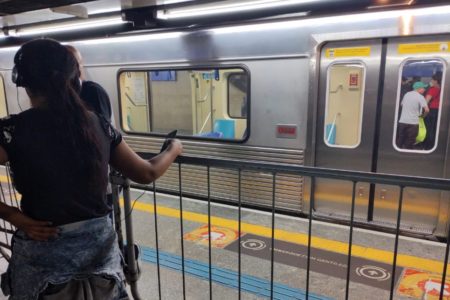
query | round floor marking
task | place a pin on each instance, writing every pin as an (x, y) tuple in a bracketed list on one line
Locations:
[(373, 272), (220, 236), (254, 244)]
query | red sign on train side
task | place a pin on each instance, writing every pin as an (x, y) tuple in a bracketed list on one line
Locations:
[(286, 131)]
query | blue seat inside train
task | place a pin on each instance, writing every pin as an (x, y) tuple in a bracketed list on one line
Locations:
[(226, 127)]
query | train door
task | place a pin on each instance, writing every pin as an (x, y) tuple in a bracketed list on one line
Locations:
[(381, 142), (411, 64), (345, 123)]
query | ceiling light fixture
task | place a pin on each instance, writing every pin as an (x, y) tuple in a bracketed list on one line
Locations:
[(132, 39), (231, 7), (388, 4), (68, 26), (342, 19)]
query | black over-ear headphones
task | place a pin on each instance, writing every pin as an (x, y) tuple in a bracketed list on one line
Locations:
[(16, 75), (34, 62)]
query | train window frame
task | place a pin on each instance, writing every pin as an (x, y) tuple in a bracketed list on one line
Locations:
[(362, 64), (397, 104), (243, 67), (228, 96), (5, 103)]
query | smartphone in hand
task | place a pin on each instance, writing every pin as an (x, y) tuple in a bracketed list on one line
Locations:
[(169, 136)]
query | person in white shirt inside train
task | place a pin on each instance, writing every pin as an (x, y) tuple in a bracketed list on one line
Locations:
[(413, 106)]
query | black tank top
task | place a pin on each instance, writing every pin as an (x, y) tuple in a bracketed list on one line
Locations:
[(43, 171)]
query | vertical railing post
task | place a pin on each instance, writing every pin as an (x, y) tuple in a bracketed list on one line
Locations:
[(397, 234), (131, 269), (273, 234), (132, 266), (12, 192), (308, 261), (182, 233), (444, 272), (155, 216), (239, 234), (11, 189), (117, 214), (350, 241), (5, 230), (208, 170)]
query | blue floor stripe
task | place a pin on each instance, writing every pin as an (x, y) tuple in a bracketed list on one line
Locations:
[(224, 274), (250, 284)]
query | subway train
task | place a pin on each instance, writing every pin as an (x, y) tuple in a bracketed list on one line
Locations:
[(318, 91)]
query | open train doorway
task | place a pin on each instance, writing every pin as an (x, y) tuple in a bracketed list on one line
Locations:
[(375, 99)]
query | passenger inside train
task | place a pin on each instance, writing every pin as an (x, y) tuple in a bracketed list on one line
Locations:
[(414, 107), (59, 154), (429, 74), (433, 97)]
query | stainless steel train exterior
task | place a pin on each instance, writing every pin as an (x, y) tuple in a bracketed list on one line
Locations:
[(317, 91)]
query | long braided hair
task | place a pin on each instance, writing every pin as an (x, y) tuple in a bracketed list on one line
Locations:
[(49, 70)]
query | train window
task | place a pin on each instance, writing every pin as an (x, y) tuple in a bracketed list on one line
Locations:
[(3, 107), (418, 107), (237, 95), (201, 103), (344, 105)]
